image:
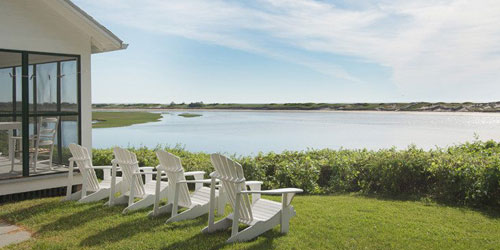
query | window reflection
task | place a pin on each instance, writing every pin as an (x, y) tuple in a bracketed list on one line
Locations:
[(46, 86), (69, 134), (6, 106), (69, 86)]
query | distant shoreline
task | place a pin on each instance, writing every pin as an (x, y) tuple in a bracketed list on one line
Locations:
[(288, 111), (439, 107)]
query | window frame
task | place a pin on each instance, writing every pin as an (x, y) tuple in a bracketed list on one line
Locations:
[(26, 114)]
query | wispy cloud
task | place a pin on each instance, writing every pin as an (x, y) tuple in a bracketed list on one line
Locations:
[(426, 44)]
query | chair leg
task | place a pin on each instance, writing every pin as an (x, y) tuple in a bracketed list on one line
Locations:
[(163, 194), (219, 225), (12, 150), (256, 229), (33, 162), (73, 197), (221, 202), (146, 202), (50, 157), (96, 196), (161, 210), (191, 213), (50, 163), (123, 199)]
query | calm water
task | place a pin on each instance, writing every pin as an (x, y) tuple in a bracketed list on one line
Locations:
[(251, 132)]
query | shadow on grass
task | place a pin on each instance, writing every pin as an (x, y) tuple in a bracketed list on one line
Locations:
[(218, 240), (130, 228), (490, 212), (77, 218), (200, 240), (22, 214)]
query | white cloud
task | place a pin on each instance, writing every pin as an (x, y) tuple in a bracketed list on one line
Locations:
[(426, 44)]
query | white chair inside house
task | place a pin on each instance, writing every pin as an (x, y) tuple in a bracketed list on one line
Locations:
[(259, 214), (41, 143), (135, 186), (92, 190), (196, 203)]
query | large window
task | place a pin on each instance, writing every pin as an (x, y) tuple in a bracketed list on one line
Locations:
[(36, 86)]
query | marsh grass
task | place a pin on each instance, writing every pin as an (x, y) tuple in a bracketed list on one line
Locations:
[(122, 119), (189, 115)]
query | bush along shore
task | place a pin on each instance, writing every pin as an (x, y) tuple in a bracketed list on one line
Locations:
[(466, 174)]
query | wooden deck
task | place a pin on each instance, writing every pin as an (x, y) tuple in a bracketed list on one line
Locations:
[(42, 169)]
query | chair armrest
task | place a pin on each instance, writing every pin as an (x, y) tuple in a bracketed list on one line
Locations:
[(198, 175), (206, 181), (274, 191), (194, 173), (145, 173), (20, 137), (250, 183), (287, 194), (147, 170), (103, 167)]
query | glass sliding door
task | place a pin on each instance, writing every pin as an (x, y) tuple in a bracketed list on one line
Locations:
[(56, 91), (10, 114), (39, 94)]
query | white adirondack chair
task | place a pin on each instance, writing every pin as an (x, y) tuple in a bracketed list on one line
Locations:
[(259, 214), (42, 143), (92, 190), (178, 193), (136, 187)]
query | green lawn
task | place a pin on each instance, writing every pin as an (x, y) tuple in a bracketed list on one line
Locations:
[(122, 119), (322, 222)]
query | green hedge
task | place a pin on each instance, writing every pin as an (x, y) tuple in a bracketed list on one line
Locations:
[(467, 174)]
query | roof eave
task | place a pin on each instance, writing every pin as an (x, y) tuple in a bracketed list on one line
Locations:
[(96, 50), (104, 36)]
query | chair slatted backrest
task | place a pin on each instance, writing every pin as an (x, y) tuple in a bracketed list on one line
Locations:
[(230, 173), (81, 157), (129, 165), (172, 166), (47, 130)]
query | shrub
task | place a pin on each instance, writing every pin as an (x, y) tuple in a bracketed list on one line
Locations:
[(467, 174), (196, 105)]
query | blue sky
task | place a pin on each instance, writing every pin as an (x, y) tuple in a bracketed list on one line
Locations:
[(298, 51)]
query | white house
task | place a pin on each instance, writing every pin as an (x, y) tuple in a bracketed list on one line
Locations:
[(45, 58)]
